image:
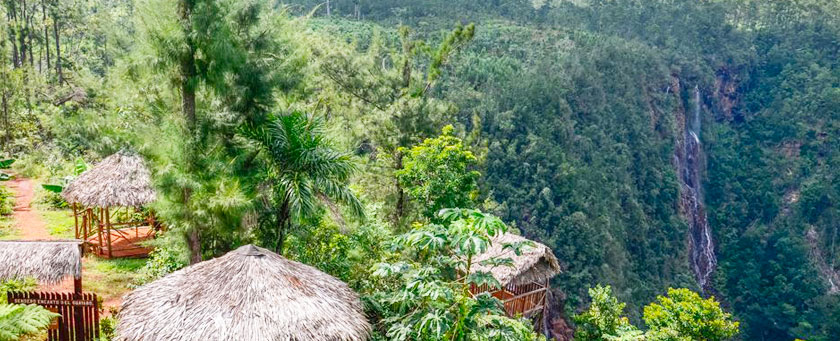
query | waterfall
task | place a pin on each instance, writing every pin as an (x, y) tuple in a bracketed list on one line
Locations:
[(690, 164)]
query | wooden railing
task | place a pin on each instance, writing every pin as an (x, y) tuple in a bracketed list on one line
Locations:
[(79, 314), (518, 299)]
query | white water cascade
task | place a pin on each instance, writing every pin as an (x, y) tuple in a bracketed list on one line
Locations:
[(702, 248)]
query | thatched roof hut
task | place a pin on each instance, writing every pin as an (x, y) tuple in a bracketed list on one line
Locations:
[(248, 294), (534, 264), (121, 179), (47, 261)]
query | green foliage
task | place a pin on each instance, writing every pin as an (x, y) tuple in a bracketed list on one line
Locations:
[(430, 297), (389, 90), (684, 315), (169, 255), (604, 319), (53, 188), (572, 107), (7, 201), (19, 320), (65, 172), (440, 173), (6, 164), (344, 254), (301, 171), (108, 327), (227, 59), (16, 320), (6, 286)]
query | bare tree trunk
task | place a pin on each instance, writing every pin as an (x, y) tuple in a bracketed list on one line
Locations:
[(8, 134), (400, 209), (57, 49), (46, 33), (11, 18), (194, 242), (31, 44), (283, 226), (22, 34), (328, 8)]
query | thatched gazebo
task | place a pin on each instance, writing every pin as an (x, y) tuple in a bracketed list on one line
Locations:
[(526, 283), (122, 182), (248, 294)]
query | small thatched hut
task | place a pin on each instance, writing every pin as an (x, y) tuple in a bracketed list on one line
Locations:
[(525, 284), (120, 181), (248, 294), (47, 261)]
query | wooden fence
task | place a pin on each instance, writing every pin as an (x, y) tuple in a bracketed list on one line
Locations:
[(79, 320)]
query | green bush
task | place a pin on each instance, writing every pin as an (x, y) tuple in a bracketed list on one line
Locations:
[(170, 254), (7, 201)]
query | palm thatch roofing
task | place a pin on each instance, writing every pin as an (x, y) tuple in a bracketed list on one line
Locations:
[(121, 179), (248, 294), (47, 261), (534, 264)]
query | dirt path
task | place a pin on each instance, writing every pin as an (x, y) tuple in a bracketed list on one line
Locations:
[(29, 222)]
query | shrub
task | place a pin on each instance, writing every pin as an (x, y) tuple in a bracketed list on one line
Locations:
[(170, 254), (6, 201)]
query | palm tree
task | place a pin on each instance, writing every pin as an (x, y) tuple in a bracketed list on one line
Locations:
[(300, 172)]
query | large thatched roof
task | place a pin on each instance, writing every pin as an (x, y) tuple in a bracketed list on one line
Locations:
[(47, 261), (248, 294), (121, 179), (535, 263)]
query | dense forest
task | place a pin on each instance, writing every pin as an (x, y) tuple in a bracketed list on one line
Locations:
[(650, 144)]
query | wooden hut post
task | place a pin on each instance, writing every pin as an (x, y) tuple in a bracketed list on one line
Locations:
[(78, 311), (76, 219), (108, 230), (98, 230)]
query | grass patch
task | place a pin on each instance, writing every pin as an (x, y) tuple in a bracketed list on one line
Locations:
[(7, 223), (110, 278), (60, 222), (8, 230)]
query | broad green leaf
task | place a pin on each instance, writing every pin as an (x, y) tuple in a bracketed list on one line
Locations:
[(53, 188), (480, 278), (5, 164)]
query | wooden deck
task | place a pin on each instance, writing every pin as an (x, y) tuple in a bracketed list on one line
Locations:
[(518, 300), (125, 243)]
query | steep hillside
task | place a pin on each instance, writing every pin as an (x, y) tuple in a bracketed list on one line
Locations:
[(657, 143)]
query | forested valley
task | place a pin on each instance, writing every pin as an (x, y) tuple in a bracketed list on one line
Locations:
[(651, 145)]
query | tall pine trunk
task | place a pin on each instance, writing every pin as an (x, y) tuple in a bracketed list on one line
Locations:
[(10, 18), (46, 33), (31, 44), (57, 49), (8, 129), (22, 34), (188, 75)]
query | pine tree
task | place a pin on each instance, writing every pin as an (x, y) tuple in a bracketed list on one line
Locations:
[(220, 50)]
